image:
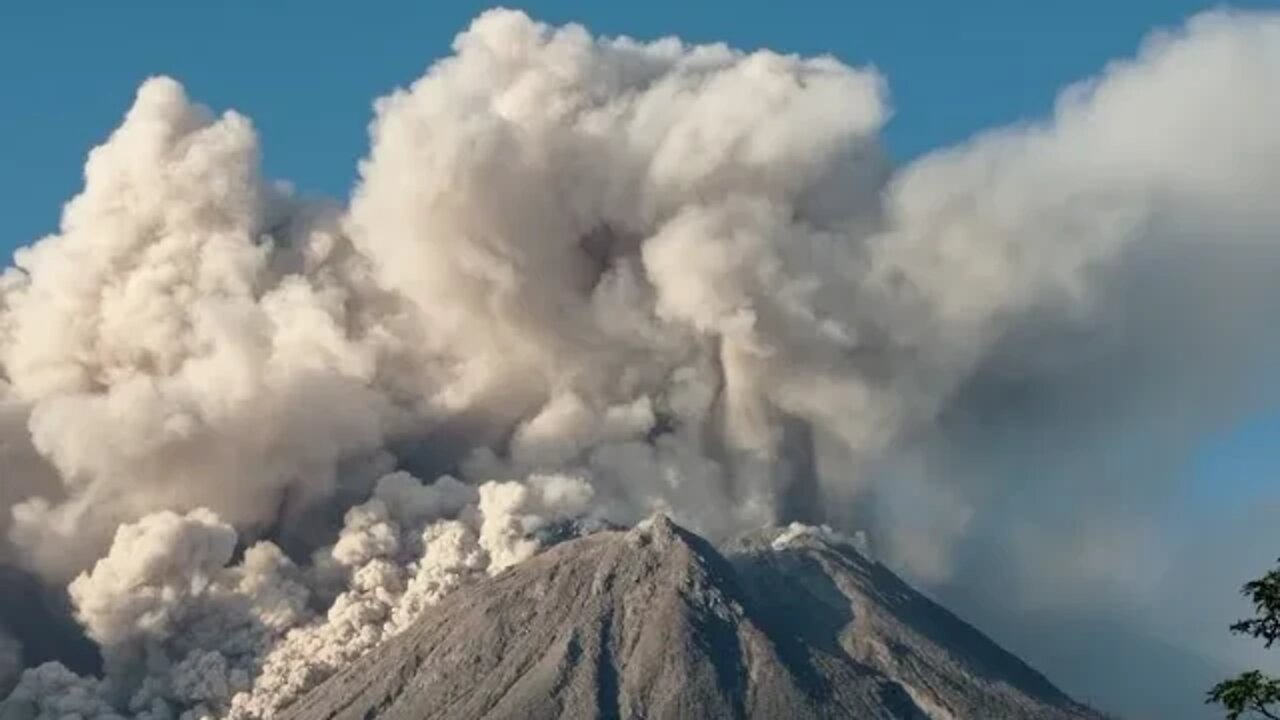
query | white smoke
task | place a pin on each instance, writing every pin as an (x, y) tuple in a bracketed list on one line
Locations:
[(580, 280), (1167, 165), (173, 351), (186, 630)]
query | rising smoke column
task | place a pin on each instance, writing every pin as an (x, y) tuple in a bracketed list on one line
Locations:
[(181, 343), (580, 280)]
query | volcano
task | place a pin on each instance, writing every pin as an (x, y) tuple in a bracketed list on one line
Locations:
[(656, 622)]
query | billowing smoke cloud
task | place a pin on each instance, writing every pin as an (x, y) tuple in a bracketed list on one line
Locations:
[(183, 627), (183, 341), (585, 279)]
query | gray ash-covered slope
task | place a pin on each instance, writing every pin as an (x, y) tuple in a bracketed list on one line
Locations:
[(655, 623)]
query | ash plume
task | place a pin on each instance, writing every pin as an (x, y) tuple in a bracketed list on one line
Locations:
[(582, 280)]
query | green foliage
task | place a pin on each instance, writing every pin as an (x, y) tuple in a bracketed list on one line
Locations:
[(1253, 692)]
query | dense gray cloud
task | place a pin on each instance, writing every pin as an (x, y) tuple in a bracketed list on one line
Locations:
[(582, 280), (10, 660)]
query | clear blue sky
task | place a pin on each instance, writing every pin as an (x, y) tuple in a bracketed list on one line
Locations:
[(307, 72)]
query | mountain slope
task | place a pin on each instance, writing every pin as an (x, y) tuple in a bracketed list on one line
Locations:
[(655, 623)]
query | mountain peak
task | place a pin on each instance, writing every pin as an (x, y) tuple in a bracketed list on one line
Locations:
[(659, 529), (654, 622)]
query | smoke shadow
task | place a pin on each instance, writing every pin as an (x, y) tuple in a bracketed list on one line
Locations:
[(41, 619)]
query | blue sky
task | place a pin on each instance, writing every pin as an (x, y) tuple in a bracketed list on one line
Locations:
[(307, 72)]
